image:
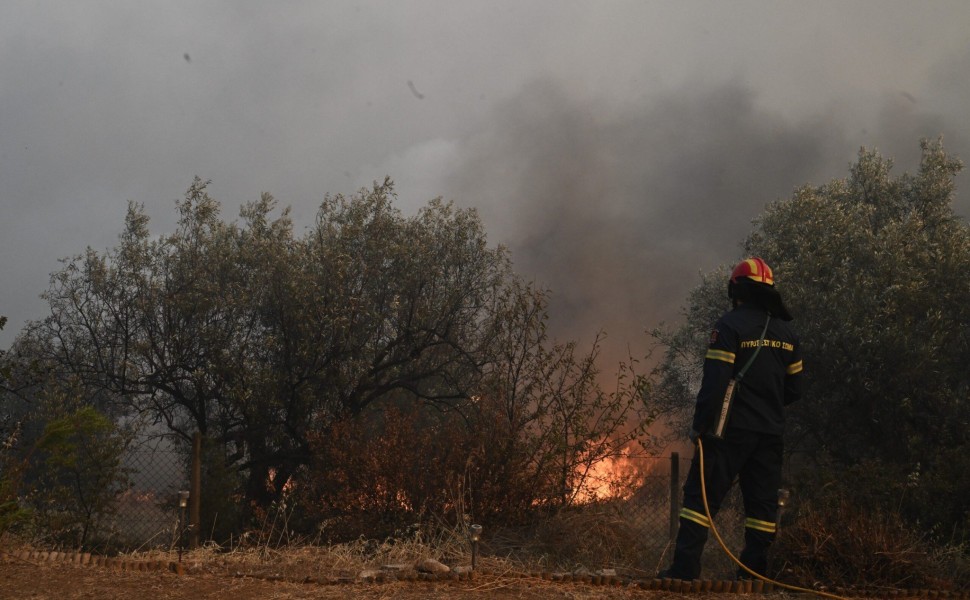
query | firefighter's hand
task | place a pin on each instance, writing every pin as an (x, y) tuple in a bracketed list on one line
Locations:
[(693, 435)]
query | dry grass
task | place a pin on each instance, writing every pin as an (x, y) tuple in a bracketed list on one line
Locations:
[(302, 560), (847, 546)]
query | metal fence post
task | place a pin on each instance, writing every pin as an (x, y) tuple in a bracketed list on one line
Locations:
[(195, 498), (674, 495)]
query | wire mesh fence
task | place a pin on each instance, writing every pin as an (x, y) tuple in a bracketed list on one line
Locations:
[(147, 514), (654, 508), (645, 522)]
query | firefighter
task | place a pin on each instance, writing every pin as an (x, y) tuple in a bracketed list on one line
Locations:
[(750, 448)]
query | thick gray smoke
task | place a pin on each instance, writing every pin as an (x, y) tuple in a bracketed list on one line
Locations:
[(617, 211)]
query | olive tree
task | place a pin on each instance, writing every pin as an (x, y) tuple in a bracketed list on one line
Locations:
[(879, 268), (368, 306), (875, 268)]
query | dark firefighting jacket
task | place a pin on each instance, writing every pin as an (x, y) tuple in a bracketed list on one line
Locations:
[(773, 381)]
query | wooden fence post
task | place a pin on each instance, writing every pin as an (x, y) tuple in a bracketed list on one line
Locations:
[(195, 498), (674, 495)]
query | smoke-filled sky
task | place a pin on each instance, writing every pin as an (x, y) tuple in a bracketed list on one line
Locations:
[(619, 148)]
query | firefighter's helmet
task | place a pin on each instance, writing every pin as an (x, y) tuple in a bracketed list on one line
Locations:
[(753, 281), (754, 269)]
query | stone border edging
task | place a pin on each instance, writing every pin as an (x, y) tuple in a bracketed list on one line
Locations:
[(93, 560)]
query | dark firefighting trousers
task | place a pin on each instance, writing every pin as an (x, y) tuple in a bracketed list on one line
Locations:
[(755, 459)]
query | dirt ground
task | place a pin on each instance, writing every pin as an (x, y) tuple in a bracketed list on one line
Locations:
[(21, 579)]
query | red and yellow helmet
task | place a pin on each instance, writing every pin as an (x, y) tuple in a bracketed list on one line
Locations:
[(753, 281), (754, 269)]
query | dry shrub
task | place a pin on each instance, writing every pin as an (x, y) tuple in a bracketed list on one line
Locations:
[(840, 543), (955, 561), (597, 535), (382, 474)]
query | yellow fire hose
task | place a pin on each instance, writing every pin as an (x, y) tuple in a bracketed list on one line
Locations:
[(710, 519)]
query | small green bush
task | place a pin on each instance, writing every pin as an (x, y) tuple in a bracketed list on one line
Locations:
[(79, 475)]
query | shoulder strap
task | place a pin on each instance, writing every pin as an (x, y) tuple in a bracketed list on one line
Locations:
[(744, 369)]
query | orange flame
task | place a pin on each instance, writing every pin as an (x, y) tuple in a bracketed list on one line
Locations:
[(612, 477)]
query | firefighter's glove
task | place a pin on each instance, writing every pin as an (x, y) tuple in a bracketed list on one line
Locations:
[(693, 435)]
